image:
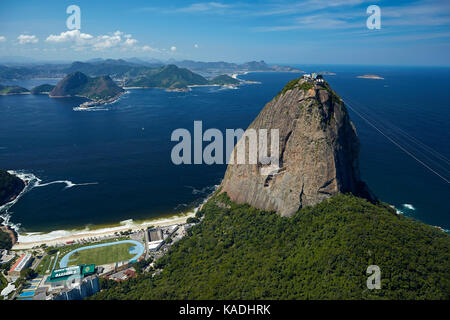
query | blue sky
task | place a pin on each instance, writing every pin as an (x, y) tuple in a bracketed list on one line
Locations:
[(277, 31)]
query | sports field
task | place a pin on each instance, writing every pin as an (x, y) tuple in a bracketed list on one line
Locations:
[(104, 253)]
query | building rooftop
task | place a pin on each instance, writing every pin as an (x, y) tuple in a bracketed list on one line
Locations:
[(65, 273), (21, 263)]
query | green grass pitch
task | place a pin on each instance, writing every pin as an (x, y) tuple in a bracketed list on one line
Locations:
[(102, 255)]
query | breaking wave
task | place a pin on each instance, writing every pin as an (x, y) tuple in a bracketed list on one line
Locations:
[(203, 191), (408, 206), (31, 181)]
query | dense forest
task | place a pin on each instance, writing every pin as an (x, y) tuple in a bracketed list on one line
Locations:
[(322, 252)]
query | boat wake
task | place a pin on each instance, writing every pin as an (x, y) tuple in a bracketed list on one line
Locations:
[(90, 109)]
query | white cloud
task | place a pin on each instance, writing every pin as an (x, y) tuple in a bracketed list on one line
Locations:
[(202, 7), (83, 41), (196, 46), (2, 39), (25, 39), (173, 48), (130, 42), (106, 42), (68, 36), (118, 39), (148, 48)]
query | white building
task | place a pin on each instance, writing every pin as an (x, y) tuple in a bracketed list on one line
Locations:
[(155, 245), (8, 289)]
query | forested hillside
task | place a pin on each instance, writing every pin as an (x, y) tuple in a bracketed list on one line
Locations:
[(322, 252)]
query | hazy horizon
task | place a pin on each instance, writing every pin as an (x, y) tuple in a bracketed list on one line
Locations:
[(412, 32)]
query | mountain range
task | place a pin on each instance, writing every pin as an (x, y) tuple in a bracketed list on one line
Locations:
[(131, 68)]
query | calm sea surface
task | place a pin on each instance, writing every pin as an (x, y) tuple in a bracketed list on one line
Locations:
[(113, 164)]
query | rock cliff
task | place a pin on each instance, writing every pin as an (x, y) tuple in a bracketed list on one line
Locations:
[(318, 152)]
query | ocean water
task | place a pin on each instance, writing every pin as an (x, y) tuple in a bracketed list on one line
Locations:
[(113, 164)]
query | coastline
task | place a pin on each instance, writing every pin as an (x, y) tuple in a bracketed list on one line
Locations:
[(30, 240), (12, 197), (14, 94), (57, 237), (95, 103)]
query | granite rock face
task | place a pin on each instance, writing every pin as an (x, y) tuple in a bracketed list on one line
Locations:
[(318, 152)]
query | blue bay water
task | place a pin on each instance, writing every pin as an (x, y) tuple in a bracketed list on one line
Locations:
[(125, 148)]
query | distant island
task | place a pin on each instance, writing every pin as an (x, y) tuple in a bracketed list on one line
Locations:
[(14, 90), (224, 80), (99, 90), (167, 77), (370, 76), (171, 77), (10, 90), (103, 89), (103, 81), (42, 89)]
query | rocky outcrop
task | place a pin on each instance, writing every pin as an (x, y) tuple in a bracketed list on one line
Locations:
[(318, 152), (10, 187), (11, 233)]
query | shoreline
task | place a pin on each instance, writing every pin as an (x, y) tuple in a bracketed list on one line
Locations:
[(28, 240), (96, 103), (52, 238)]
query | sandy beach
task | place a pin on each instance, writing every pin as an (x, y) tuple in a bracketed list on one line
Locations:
[(30, 240)]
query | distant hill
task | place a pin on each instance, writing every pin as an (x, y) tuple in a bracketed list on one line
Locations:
[(5, 90), (78, 84), (169, 77), (130, 68), (228, 67), (114, 68), (42, 89), (31, 72), (224, 80)]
